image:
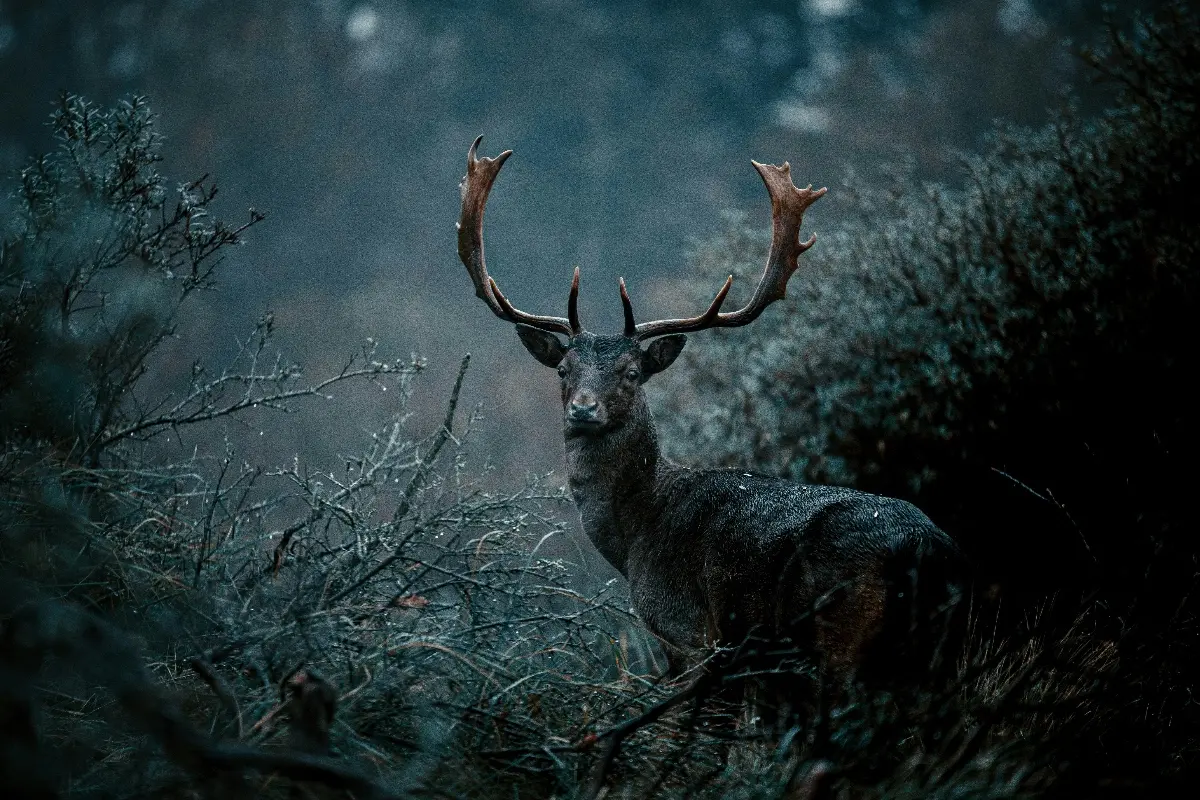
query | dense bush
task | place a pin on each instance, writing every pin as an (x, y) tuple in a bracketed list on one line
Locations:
[(198, 592), (1015, 355)]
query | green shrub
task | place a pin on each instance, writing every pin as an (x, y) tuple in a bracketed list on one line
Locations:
[(1015, 355), (99, 257), (1017, 329)]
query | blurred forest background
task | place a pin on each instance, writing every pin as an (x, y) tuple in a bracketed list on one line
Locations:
[(633, 126), (382, 591)]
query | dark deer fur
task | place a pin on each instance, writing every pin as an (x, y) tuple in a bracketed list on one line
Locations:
[(716, 556)]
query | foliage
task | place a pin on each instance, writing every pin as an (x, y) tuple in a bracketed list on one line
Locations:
[(1015, 356), (930, 320), (96, 263), (200, 625), (253, 590)]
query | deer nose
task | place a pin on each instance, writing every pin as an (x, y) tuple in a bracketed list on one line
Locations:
[(583, 408)]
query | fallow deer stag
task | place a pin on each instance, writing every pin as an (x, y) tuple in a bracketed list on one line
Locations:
[(718, 556)]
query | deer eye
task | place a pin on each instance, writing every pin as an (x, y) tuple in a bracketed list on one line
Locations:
[(563, 369), (632, 374)]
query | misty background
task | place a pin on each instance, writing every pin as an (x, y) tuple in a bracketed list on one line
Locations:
[(633, 126)]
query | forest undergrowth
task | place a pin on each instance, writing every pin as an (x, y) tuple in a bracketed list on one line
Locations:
[(1011, 355)]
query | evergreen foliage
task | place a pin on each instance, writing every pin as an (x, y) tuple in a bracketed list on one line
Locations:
[(94, 265)]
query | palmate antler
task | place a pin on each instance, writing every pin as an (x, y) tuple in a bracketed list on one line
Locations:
[(788, 204), (475, 186)]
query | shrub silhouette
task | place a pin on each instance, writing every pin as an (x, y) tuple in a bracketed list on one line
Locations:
[(1014, 355)]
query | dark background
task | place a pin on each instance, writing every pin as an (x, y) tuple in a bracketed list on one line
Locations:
[(633, 126)]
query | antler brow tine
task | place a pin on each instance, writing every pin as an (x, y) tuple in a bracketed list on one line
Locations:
[(475, 187)]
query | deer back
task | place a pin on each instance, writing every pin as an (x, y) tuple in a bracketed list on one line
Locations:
[(723, 557)]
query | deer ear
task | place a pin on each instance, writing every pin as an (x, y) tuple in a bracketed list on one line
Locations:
[(542, 345), (662, 353)]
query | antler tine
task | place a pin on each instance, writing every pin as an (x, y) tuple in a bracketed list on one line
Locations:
[(788, 204), (627, 306), (708, 319), (475, 187), (573, 305)]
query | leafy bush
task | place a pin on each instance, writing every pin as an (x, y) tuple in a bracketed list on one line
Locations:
[(1014, 355), (98, 260), (933, 327)]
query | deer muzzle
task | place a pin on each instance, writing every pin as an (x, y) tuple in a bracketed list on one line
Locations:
[(584, 412)]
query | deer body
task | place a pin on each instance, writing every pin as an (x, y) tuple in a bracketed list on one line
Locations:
[(713, 556), (717, 556)]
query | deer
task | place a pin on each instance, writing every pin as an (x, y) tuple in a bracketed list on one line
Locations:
[(721, 557)]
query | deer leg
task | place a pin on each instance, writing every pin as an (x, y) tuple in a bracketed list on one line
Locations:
[(844, 631), (678, 660)]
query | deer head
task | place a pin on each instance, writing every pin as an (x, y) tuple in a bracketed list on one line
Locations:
[(602, 375)]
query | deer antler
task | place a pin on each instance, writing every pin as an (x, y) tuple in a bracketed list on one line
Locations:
[(788, 205), (475, 186)]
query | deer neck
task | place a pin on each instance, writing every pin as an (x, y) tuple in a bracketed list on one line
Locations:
[(613, 478)]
